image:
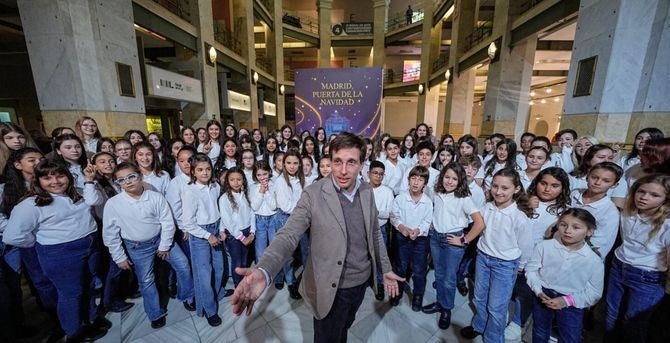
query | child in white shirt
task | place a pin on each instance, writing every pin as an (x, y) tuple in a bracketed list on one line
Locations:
[(384, 203)]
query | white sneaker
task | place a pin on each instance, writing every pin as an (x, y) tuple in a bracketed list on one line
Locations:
[(513, 332)]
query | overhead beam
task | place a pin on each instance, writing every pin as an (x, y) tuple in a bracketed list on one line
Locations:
[(560, 10)]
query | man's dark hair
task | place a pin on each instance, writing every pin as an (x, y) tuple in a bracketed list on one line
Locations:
[(346, 140)]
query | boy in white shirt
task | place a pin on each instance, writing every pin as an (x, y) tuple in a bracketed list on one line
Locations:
[(411, 216), (140, 220), (173, 194), (392, 166), (424, 155), (384, 202)]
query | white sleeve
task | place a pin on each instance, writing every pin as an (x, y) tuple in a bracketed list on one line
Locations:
[(93, 195), (427, 218), (565, 160), (174, 200), (533, 268), (524, 240), (23, 221), (111, 234), (190, 211), (396, 213), (167, 224), (593, 289)]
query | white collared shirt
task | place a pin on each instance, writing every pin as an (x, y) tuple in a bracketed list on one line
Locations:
[(607, 221), (525, 179), (563, 159), (638, 249), (309, 179), (620, 191), (384, 203), (393, 175), (96, 194), (173, 196), (487, 179), (507, 233), (61, 221), (626, 163), (91, 145), (349, 195), (263, 204), (213, 152), (452, 214), (287, 196), (137, 220), (236, 220), (412, 214), (160, 181), (199, 204), (541, 221), (578, 273), (478, 196), (249, 176), (433, 175), (228, 163), (78, 176)]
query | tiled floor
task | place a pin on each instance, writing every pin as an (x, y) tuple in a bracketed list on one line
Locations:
[(277, 318)]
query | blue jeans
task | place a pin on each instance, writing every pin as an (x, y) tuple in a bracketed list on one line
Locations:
[(207, 271), (380, 277), (67, 266), (416, 253), (238, 254), (143, 256), (286, 274), (266, 229), (522, 296), (446, 258), (569, 320), (494, 281), (46, 291), (633, 294)]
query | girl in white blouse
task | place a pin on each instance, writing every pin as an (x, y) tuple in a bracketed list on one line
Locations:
[(145, 157), (638, 274), (264, 204), (566, 277), (503, 157), (201, 221), (70, 151), (248, 160), (504, 248), (237, 220), (290, 184), (59, 223)]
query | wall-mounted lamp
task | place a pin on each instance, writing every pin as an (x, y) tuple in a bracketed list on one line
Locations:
[(420, 88), (254, 78), (492, 50), (282, 89), (447, 75), (211, 55)]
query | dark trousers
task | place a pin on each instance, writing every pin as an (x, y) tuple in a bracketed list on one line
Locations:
[(334, 326), (569, 320), (238, 254), (414, 254)]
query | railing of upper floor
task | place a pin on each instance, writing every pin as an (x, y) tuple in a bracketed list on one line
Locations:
[(226, 38), (179, 7), (440, 62), (395, 75), (480, 33), (303, 22), (529, 4), (399, 20), (269, 5), (264, 63), (289, 74)]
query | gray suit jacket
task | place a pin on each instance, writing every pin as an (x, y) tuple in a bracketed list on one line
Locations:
[(319, 209)]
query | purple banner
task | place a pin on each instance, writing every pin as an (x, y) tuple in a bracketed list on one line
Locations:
[(339, 99)]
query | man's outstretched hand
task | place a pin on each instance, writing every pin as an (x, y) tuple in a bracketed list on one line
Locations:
[(248, 291), (390, 284)]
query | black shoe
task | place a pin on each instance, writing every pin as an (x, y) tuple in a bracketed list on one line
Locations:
[(445, 320), (279, 285), (135, 295), (380, 292), (469, 332), (432, 308), (87, 334), (228, 293), (56, 334), (120, 306), (172, 291), (417, 301), (102, 322), (189, 306), (158, 323), (462, 288), (214, 320), (395, 301), (293, 292)]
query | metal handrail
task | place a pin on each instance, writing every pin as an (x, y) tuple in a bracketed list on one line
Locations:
[(529, 4), (479, 34), (226, 38), (177, 7), (264, 63), (440, 62), (268, 5), (289, 74), (395, 75), (302, 22), (399, 20)]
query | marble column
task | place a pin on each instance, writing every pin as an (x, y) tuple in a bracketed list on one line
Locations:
[(324, 7), (275, 48), (509, 78), (380, 8), (631, 40), (430, 47), (244, 12), (210, 89), (74, 47)]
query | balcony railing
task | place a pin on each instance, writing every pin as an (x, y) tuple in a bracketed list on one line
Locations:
[(399, 20), (178, 7), (226, 38), (264, 63), (302, 22), (268, 5), (289, 74), (398, 75), (529, 4), (440, 62), (478, 35)]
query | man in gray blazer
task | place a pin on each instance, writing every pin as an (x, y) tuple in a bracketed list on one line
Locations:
[(346, 246)]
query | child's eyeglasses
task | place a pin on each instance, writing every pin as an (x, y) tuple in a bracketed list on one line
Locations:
[(127, 179)]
